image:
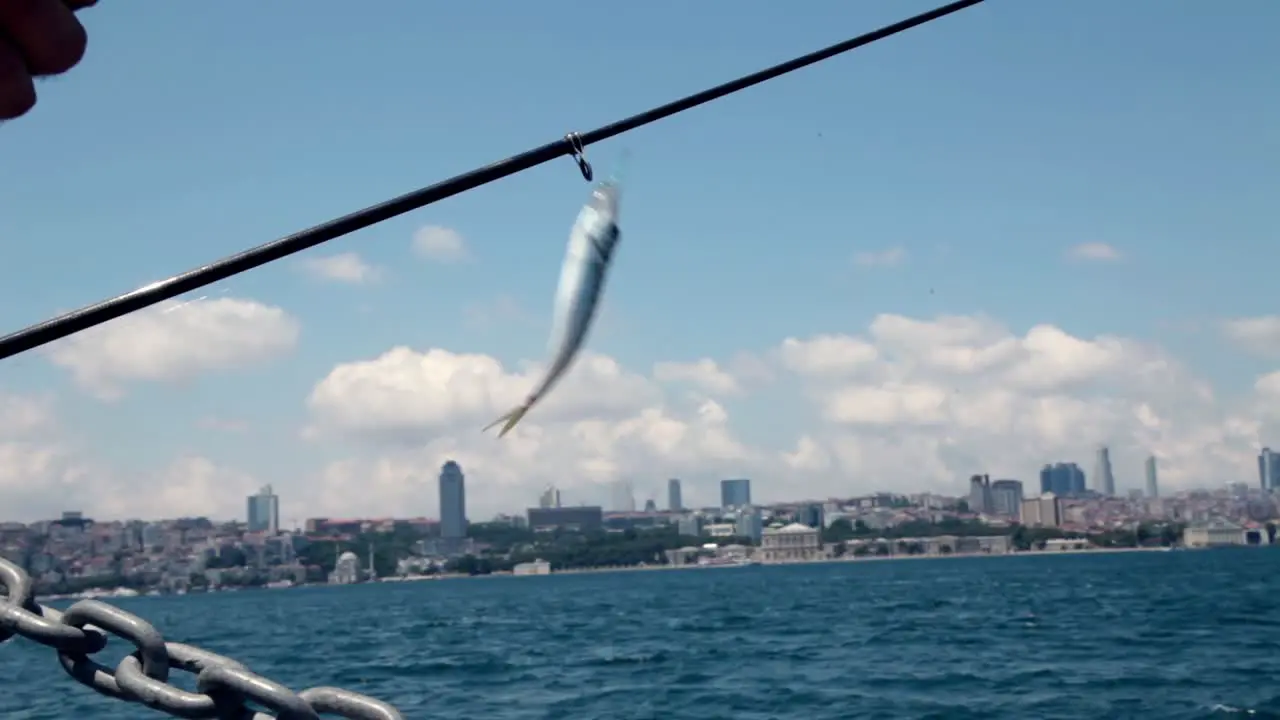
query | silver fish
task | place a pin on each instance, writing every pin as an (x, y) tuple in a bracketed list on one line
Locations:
[(592, 241)]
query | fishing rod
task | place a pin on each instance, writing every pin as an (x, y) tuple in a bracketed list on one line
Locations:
[(573, 145)]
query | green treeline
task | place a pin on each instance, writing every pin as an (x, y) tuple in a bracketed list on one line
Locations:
[(503, 546), (1022, 537)]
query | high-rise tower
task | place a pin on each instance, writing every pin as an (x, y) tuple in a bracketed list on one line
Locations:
[(1106, 482), (1153, 487), (453, 502)]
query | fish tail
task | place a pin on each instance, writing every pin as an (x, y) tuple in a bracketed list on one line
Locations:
[(620, 167), (511, 418)]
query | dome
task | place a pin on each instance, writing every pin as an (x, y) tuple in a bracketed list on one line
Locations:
[(348, 556)]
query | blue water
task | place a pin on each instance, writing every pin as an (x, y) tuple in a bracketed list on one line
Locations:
[(1140, 635)]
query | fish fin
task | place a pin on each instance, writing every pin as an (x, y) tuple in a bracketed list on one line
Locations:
[(620, 168), (511, 418)]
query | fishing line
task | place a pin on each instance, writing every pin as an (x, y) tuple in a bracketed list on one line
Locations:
[(573, 145)]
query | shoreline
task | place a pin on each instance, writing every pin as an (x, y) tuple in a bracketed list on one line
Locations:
[(821, 561), (109, 594)]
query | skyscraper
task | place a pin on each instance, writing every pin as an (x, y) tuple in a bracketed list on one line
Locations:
[(735, 493), (1006, 498), (1105, 481), (1062, 479), (1153, 487), (674, 502), (1269, 469), (453, 502), (264, 511), (980, 494), (550, 498)]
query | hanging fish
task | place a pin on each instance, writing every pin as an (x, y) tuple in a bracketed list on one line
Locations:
[(592, 241)]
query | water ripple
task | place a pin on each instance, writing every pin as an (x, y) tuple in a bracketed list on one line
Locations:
[(1175, 636)]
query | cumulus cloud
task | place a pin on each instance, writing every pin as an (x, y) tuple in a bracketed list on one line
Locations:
[(703, 374), (1257, 335), (175, 341), (1094, 252), (411, 410), (404, 395), (910, 404), (827, 354), (947, 397), (889, 257), (440, 244), (346, 267), (43, 473), (906, 404)]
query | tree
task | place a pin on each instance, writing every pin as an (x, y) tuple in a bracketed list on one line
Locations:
[(838, 531), (1142, 534)]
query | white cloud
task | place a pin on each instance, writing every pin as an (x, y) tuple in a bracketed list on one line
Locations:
[(21, 415), (908, 404), (440, 244), (1258, 335), (403, 395), (346, 267), (175, 341), (889, 257), (703, 374), (42, 474), (956, 395), (912, 404), (1269, 385), (1094, 251), (827, 354)]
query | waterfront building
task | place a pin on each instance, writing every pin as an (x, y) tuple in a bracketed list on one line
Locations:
[(346, 570), (790, 543)]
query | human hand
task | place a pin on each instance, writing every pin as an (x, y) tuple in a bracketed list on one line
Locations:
[(37, 37)]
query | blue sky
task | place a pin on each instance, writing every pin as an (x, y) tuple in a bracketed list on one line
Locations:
[(983, 146)]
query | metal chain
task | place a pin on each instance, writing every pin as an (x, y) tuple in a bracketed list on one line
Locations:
[(224, 687)]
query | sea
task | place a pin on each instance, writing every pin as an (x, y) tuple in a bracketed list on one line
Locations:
[(1167, 635)]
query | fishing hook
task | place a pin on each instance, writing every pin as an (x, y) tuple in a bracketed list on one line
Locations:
[(579, 154)]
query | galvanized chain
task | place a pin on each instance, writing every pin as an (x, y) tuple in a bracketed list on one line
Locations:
[(224, 688)]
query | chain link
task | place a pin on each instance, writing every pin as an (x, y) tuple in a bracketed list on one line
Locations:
[(224, 688)]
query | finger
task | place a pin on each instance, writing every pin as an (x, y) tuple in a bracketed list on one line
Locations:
[(17, 91), (46, 31)]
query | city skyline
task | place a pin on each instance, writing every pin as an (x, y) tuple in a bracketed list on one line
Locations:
[(815, 358), (982, 493)]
